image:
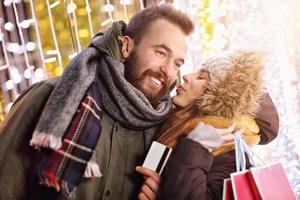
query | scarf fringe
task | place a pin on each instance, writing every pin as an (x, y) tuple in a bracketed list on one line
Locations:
[(50, 183), (66, 190), (92, 170), (45, 140)]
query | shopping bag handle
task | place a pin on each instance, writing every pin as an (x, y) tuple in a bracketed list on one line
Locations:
[(241, 148)]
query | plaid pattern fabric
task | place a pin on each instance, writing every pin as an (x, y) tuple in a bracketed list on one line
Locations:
[(63, 168)]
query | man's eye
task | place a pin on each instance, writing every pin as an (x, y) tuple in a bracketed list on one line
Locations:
[(161, 53), (178, 65)]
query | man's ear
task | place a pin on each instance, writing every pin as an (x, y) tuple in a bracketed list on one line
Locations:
[(127, 46)]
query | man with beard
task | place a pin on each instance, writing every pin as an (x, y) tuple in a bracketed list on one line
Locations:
[(81, 135), (88, 129)]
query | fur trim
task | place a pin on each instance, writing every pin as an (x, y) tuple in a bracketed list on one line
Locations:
[(236, 85)]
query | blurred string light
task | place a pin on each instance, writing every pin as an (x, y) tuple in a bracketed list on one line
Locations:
[(43, 43), (26, 23), (54, 4), (21, 36), (16, 78), (71, 7), (27, 73), (109, 8), (212, 29), (142, 6), (9, 26), (125, 3), (88, 10), (14, 91), (49, 7), (38, 37)]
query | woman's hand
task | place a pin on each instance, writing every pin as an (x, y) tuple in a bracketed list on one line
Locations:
[(151, 183), (212, 138)]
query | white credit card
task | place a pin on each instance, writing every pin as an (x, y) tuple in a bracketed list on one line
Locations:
[(157, 157)]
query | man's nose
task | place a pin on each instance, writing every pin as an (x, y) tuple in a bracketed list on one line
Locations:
[(169, 69)]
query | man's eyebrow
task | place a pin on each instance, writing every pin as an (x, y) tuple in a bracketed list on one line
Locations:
[(164, 47), (167, 49)]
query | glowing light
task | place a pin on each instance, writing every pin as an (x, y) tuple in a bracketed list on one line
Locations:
[(88, 9), (71, 8), (54, 4), (201, 14), (14, 71), (220, 28), (49, 60), (30, 46), (59, 26), (39, 74), (9, 26), (58, 71), (108, 8), (8, 106), (83, 33), (28, 73), (51, 52), (3, 67), (14, 48), (17, 79), (106, 22), (26, 23), (82, 12), (210, 19), (218, 43), (72, 56), (125, 2), (7, 3), (9, 85), (142, 4)]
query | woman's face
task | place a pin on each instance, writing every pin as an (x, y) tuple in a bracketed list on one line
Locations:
[(192, 88)]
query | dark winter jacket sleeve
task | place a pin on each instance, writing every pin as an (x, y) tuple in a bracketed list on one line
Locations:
[(185, 174), (16, 156), (267, 120), (193, 174)]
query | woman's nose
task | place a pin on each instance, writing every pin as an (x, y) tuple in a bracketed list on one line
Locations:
[(186, 78)]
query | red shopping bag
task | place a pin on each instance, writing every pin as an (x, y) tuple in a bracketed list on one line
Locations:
[(240, 186), (259, 183), (243, 186), (272, 182), (227, 190)]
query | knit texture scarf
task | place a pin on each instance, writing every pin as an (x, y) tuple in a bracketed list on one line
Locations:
[(94, 77)]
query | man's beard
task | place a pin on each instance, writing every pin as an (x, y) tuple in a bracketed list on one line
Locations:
[(133, 75)]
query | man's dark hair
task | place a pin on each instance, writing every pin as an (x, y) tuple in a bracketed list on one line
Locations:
[(142, 20)]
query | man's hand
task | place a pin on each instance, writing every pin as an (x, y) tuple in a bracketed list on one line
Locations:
[(150, 186)]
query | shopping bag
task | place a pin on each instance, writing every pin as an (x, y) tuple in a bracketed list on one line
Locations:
[(227, 190), (259, 183), (272, 182)]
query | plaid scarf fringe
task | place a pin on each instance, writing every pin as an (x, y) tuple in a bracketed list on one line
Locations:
[(64, 167)]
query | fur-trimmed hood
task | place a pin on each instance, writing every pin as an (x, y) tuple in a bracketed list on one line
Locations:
[(236, 85)]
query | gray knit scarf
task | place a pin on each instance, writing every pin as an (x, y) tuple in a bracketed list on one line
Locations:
[(100, 61)]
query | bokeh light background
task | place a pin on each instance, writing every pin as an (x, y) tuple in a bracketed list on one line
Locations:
[(39, 37)]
